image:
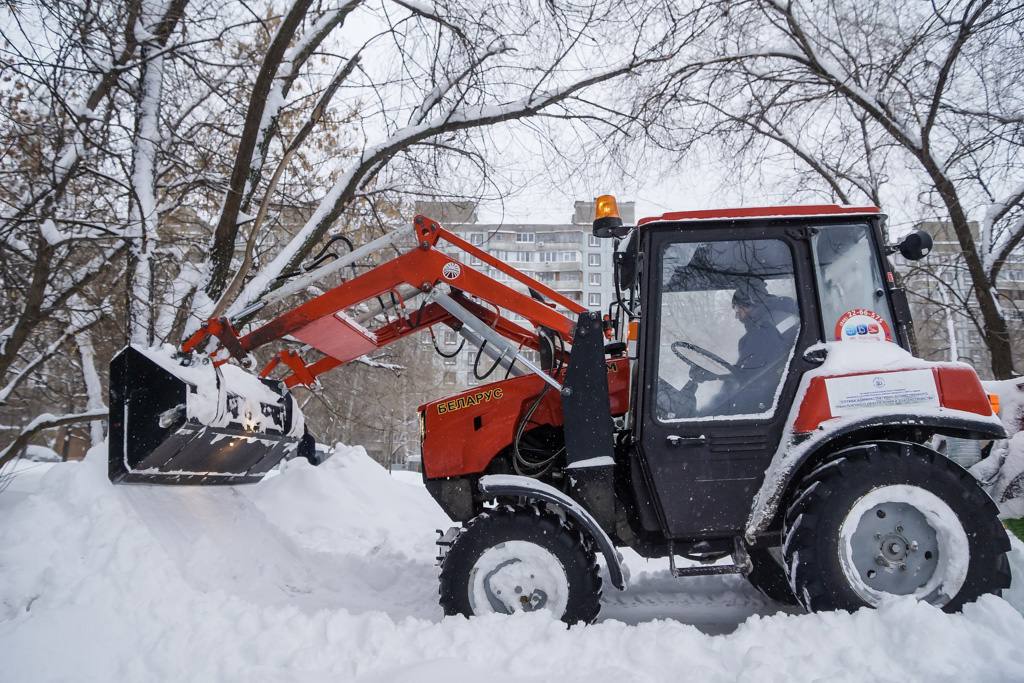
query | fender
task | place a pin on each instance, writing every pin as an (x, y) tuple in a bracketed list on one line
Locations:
[(789, 459), (515, 485)]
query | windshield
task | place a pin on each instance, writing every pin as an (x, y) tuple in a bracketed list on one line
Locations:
[(852, 291)]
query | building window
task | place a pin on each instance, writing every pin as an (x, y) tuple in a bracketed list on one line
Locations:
[(595, 279), (449, 362), (594, 259), (594, 241), (449, 337), (476, 238), (524, 256), (475, 261), (549, 256), (525, 237), (449, 378), (594, 300), (570, 256)]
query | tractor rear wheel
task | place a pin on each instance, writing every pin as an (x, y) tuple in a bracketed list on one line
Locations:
[(521, 559), (769, 576), (889, 519)]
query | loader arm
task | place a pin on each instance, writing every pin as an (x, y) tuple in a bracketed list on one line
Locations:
[(177, 421), (328, 322)]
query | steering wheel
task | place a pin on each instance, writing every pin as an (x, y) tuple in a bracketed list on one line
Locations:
[(700, 372)]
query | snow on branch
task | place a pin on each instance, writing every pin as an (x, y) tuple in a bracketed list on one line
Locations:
[(143, 216), (287, 72), (42, 423), (40, 358), (278, 71), (374, 157), (226, 229), (372, 363), (998, 244)]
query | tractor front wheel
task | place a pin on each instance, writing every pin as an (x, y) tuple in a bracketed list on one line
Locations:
[(892, 519), (521, 559)]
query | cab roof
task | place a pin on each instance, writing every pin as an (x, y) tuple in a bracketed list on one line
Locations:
[(757, 212)]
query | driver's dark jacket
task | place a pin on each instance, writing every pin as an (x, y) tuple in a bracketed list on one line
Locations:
[(761, 353)]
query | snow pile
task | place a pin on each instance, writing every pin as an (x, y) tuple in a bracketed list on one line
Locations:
[(327, 573), (1002, 472)]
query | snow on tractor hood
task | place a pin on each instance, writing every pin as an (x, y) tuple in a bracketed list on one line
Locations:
[(861, 381)]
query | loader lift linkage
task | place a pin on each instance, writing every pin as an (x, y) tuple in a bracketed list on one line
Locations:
[(738, 412), (415, 272)]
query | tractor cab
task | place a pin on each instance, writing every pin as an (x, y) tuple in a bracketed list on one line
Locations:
[(732, 302)]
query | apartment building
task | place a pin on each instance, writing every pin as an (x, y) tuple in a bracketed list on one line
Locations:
[(564, 256)]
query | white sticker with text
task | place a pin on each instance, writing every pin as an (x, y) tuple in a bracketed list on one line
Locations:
[(868, 393)]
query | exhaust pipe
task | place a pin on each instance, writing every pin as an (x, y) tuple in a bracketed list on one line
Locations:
[(197, 424)]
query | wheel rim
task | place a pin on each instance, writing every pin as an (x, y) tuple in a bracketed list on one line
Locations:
[(903, 540), (518, 576)]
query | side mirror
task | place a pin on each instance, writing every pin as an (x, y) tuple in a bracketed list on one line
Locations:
[(915, 246)]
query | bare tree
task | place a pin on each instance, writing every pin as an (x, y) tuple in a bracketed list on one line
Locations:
[(453, 69), (852, 93), (168, 161)]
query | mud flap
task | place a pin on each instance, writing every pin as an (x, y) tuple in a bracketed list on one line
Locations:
[(175, 424)]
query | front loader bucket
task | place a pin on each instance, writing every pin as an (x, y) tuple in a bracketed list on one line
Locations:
[(175, 424)]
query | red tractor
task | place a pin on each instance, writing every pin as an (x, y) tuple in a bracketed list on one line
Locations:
[(748, 395)]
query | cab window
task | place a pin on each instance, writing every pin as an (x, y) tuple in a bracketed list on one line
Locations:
[(850, 284), (728, 326)]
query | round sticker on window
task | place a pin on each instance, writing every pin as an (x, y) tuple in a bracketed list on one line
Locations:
[(862, 323)]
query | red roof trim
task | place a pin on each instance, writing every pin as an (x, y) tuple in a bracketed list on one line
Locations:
[(761, 212)]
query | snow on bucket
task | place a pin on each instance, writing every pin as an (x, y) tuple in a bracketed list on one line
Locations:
[(196, 424)]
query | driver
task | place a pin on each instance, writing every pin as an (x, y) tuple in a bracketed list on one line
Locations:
[(770, 326)]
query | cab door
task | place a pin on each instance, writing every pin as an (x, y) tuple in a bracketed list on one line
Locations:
[(728, 313)]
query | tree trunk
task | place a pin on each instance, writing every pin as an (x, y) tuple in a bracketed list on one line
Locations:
[(31, 310), (223, 248), (997, 334)]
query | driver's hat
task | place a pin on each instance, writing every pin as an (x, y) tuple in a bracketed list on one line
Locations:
[(749, 292)]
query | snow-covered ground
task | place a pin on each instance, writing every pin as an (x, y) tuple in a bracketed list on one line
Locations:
[(328, 574)]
